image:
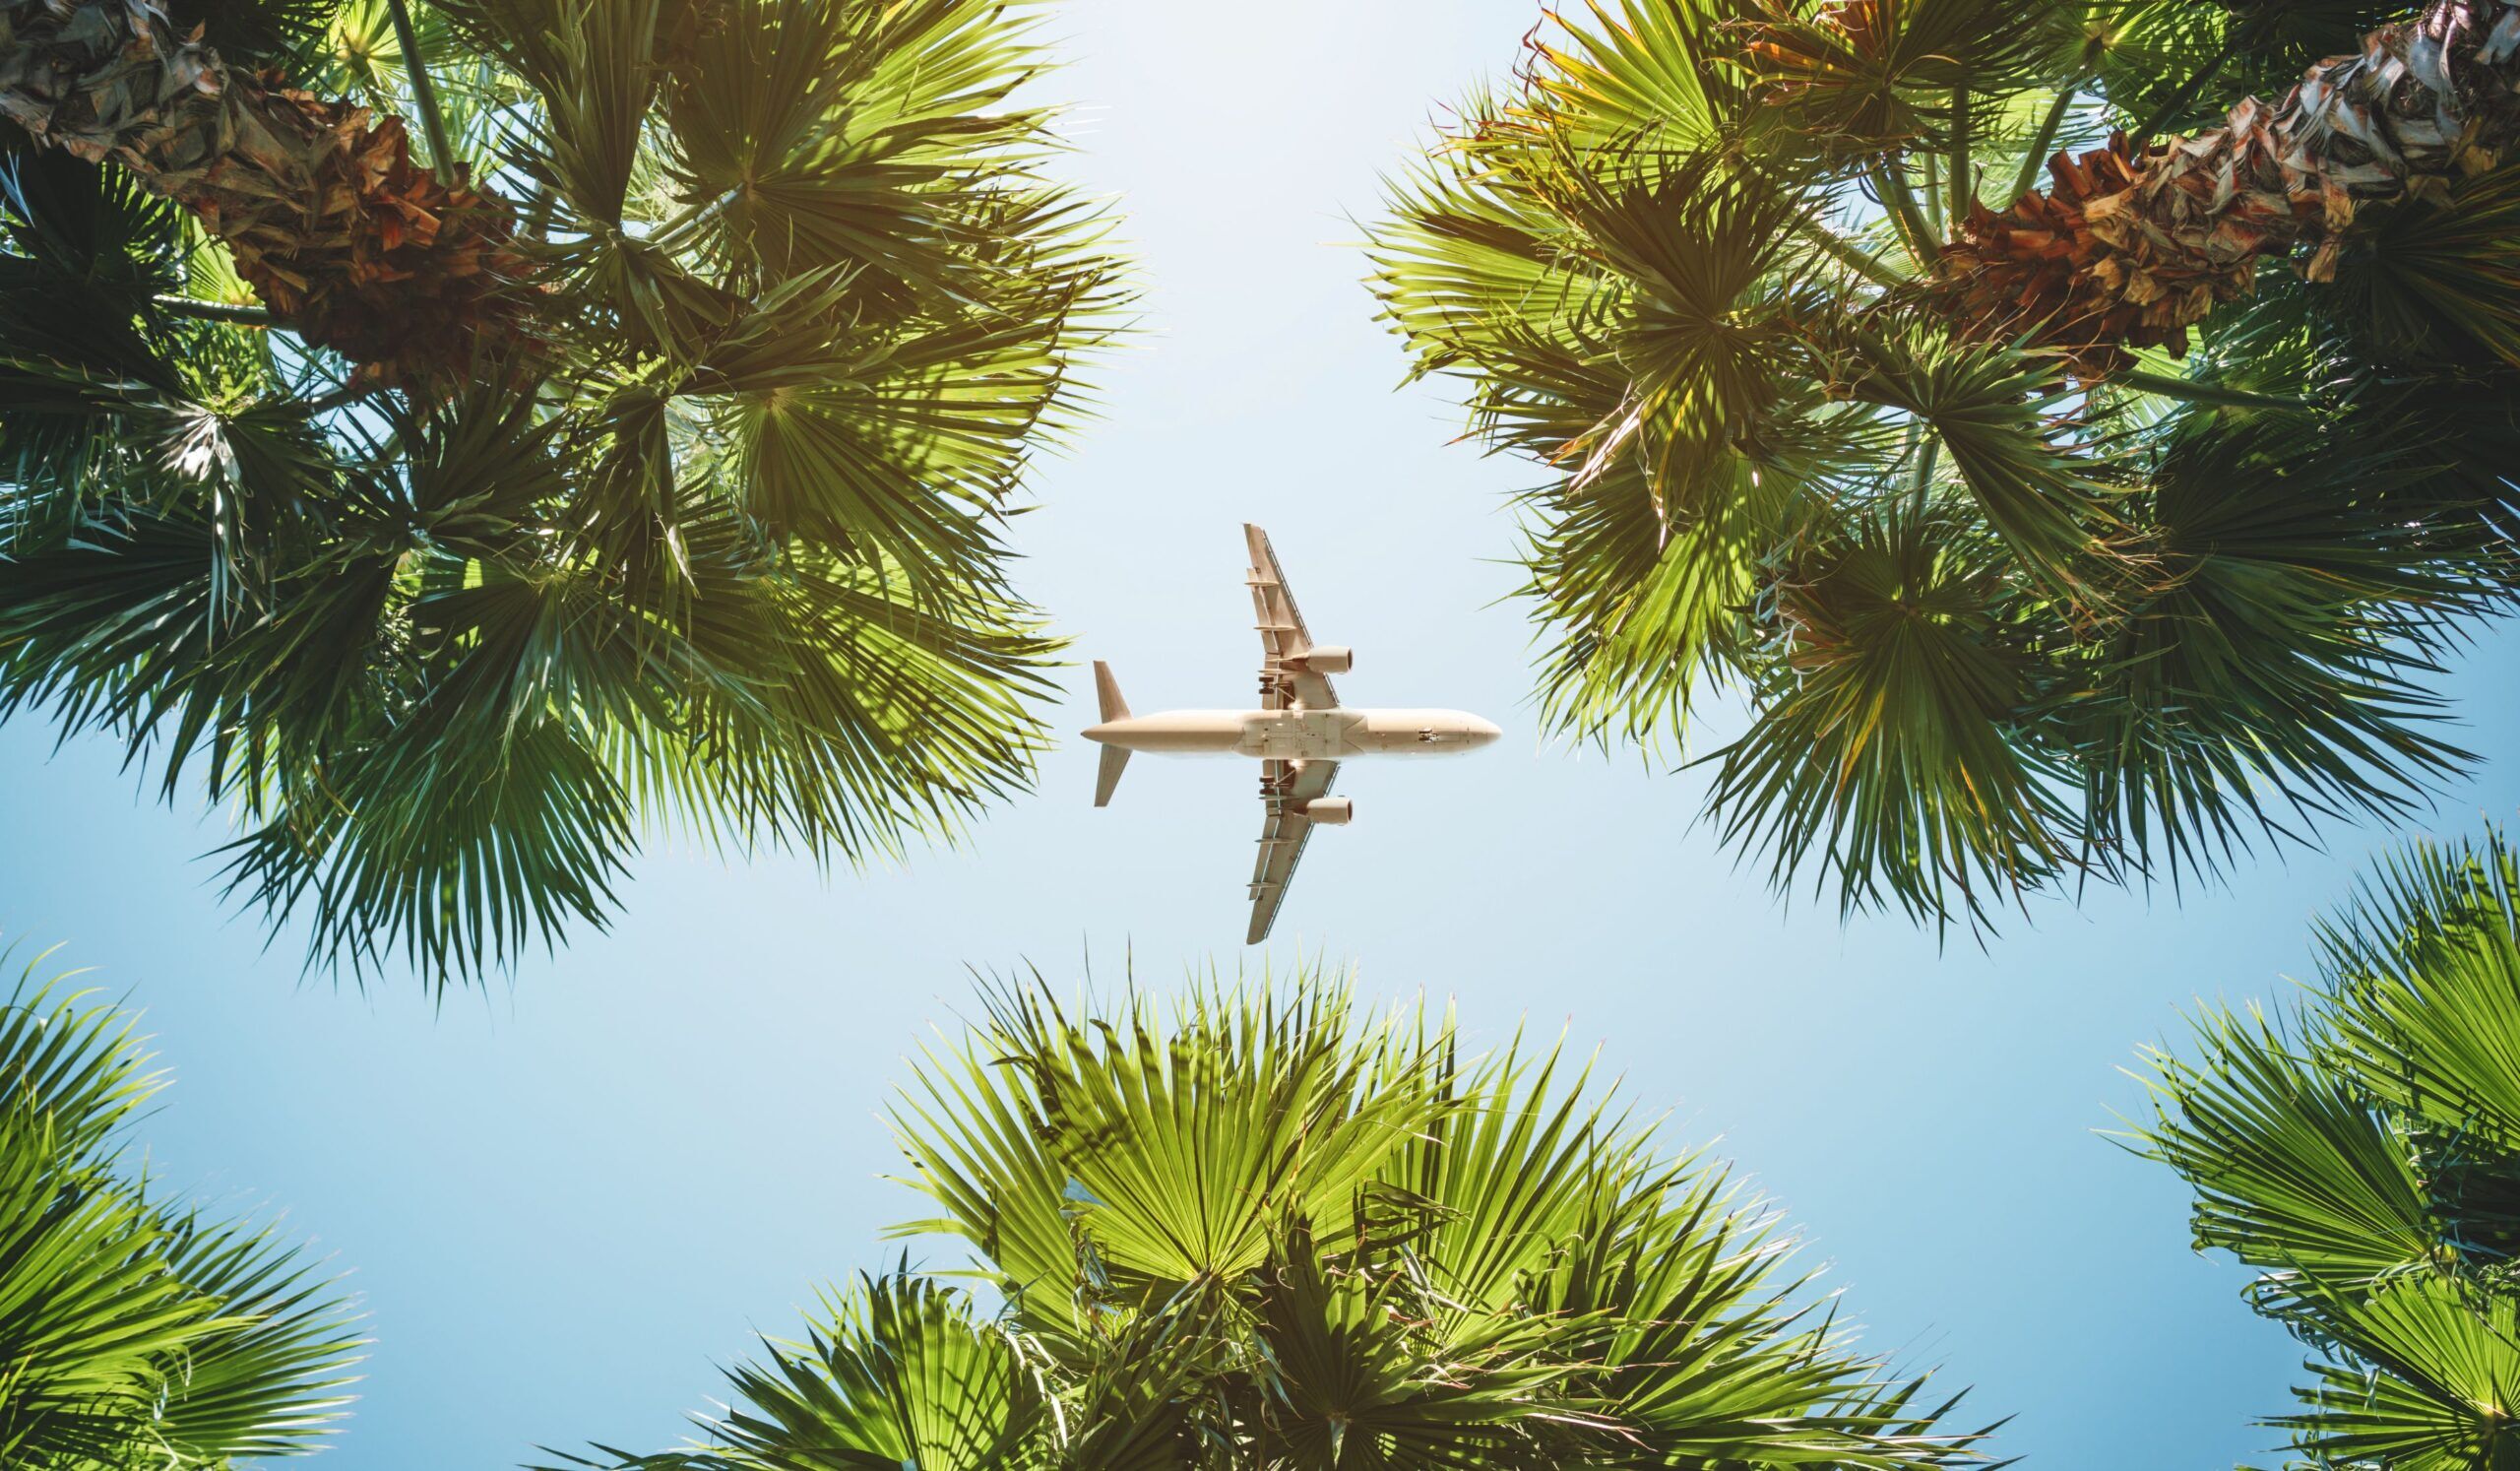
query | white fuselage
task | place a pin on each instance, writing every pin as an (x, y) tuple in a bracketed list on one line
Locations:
[(1336, 734)]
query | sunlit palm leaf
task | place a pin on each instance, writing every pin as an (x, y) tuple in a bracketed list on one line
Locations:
[(2367, 1165), (1261, 1228), (1727, 274), (2443, 1370), (2294, 1171), (132, 1334)]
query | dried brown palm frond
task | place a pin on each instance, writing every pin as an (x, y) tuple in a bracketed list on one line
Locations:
[(2136, 243), (345, 237)]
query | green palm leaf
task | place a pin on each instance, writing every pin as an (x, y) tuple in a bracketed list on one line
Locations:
[(1732, 276), (2443, 1373), (2432, 963), (1263, 1228), (132, 1332), (2364, 1163), (2293, 1169), (896, 1374), (717, 541)]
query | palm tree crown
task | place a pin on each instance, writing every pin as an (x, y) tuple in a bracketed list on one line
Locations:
[(2049, 535), (2365, 1160), (1273, 1232), (134, 1333), (643, 457)]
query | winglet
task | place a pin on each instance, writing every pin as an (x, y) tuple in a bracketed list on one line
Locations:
[(1108, 690), (1115, 759)]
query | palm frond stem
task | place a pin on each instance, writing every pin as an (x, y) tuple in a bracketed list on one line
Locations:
[(2206, 72), (1921, 480), (677, 231), (1892, 186), (2043, 142), (423, 92), (342, 397), (235, 313), (1963, 188), (2190, 391), (1848, 254)]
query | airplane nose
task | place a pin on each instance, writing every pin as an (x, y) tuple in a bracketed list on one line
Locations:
[(1481, 733)]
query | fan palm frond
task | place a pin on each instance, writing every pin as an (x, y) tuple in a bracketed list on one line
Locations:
[(133, 1331), (2429, 1386), (711, 533), (1749, 281), (2363, 1161), (1262, 1227)]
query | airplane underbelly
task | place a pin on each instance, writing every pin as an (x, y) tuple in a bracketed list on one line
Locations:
[(1342, 735), (1420, 733), (1176, 733), (1301, 735)]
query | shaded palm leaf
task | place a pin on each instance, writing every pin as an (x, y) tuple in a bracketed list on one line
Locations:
[(715, 540)]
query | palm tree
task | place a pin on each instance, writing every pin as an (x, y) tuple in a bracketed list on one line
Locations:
[(2363, 1155), (1274, 1231), (643, 459), (2087, 533), (135, 1333)]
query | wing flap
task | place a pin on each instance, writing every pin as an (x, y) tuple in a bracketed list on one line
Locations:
[(1283, 635), (1285, 786)]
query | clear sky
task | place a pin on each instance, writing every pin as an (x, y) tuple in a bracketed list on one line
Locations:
[(568, 1201)]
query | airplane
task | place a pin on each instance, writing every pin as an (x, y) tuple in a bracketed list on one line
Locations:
[(1300, 733)]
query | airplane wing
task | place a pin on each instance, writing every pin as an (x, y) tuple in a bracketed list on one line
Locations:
[(1284, 787), (1282, 634)]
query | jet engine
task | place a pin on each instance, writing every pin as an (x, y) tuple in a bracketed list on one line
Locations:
[(1326, 659), (1330, 811)]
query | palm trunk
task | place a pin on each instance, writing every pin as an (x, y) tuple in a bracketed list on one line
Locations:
[(2136, 243), (344, 237)]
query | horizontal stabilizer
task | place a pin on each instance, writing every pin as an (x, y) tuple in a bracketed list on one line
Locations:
[(1108, 690), (1115, 759)]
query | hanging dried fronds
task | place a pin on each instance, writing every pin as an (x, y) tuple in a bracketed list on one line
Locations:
[(2134, 244), (344, 237)]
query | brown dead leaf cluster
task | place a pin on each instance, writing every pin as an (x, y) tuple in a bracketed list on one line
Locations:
[(2134, 244), (359, 248), (341, 232)]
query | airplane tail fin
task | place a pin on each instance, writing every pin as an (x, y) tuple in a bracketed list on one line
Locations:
[(1115, 759), (1108, 690)]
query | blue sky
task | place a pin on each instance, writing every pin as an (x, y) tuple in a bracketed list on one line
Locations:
[(567, 1200)]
